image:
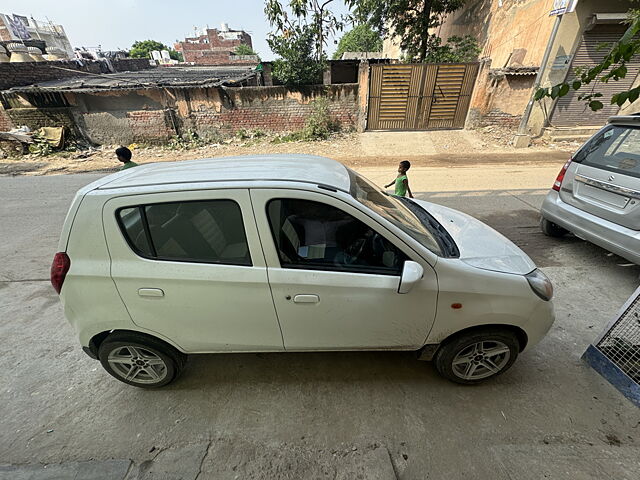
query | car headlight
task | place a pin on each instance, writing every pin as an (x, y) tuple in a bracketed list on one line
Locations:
[(540, 284)]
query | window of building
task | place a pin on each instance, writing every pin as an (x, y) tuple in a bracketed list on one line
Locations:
[(315, 236), (201, 231)]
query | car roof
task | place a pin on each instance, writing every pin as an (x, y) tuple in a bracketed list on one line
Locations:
[(630, 120), (243, 169)]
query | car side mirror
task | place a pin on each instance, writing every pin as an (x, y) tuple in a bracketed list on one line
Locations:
[(412, 273)]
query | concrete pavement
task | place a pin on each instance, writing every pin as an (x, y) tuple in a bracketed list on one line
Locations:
[(315, 414)]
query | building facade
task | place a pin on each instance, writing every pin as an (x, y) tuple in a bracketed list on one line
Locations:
[(514, 34), (216, 47), (19, 28)]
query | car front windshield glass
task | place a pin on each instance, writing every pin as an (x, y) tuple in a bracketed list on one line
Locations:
[(392, 210)]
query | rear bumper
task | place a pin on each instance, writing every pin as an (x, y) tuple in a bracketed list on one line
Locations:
[(611, 236)]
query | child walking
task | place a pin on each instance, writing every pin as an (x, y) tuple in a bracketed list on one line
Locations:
[(401, 181)]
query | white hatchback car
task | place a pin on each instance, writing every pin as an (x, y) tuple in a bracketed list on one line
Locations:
[(287, 253)]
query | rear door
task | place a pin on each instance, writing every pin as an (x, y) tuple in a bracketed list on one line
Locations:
[(604, 178), (189, 267)]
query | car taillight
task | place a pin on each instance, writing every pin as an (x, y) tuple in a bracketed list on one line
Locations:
[(59, 268), (559, 179)]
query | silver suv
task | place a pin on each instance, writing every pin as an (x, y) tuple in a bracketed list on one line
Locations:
[(597, 193)]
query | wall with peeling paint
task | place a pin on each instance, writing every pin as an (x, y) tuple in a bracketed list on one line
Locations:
[(155, 115)]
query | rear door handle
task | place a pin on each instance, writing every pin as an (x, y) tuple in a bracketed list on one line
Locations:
[(306, 299), (150, 292)]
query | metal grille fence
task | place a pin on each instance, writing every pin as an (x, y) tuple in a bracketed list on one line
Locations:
[(621, 343)]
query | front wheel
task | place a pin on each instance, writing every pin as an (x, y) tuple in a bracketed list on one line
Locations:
[(140, 360), (551, 229), (477, 356)]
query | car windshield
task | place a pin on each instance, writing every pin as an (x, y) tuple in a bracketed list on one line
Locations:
[(393, 210), (616, 148)]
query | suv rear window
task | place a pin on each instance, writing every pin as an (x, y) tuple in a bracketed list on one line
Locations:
[(616, 148), (201, 231)]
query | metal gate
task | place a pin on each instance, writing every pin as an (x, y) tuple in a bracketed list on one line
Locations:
[(420, 96), (570, 110)]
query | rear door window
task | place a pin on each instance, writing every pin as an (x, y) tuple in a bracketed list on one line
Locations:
[(199, 231), (616, 149)]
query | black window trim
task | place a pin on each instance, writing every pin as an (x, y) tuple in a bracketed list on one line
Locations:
[(145, 226), (323, 268)]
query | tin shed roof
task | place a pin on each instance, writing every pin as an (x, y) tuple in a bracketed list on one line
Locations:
[(171, 77)]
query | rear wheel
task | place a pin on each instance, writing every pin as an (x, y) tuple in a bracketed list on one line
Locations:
[(477, 356), (140, 360), (551, 229)]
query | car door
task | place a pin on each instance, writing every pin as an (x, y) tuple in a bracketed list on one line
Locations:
[(334, 274), (189, 267), (604, 178)]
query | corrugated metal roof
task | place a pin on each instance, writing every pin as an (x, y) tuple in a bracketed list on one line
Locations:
[(173, 77)]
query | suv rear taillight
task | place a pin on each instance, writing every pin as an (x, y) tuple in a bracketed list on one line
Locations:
[(59, 268), (558, 183)]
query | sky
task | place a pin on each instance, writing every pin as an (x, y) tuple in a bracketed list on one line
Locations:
[(116, 24)]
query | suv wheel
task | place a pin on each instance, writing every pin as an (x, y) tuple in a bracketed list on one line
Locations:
[(551, 229), (477, 356), (140, 360)]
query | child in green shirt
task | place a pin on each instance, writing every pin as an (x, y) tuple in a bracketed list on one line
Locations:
[(401, 181), (124, 155)]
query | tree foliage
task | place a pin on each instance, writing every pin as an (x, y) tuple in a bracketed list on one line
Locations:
[(409, 20), (361, 38), (612, 67), (244, 49), (456, 50), (143, 49), (311, 15), (297, 64)]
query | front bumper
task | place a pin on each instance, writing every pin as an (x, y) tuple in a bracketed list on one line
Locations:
[(608, 235)]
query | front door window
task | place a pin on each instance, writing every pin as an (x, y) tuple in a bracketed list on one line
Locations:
[(316, 236)]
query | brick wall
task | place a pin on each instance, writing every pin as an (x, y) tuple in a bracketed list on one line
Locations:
[(274, 109), (210, 112), (5, 121), (35, 118), (29, 73), (151, 126), (213, 48)]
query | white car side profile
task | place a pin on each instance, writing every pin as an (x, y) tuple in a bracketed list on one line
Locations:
[(289, 253)]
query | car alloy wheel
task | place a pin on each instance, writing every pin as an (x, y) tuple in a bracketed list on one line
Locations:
[(481, 360), (137, 365)]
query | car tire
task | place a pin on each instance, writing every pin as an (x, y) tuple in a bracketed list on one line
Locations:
[(551, 229), (140, 360), (474, 357)]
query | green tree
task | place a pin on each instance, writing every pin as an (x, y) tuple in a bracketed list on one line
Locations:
[(243, 49), (456, 50), (311, 15), (361, 38), (410, 20), (297, 64), (612, 67), (143, 49)]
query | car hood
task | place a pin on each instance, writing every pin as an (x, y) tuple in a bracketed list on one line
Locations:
[(479, 244)]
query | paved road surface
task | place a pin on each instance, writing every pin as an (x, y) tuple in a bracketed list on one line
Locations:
[(333, 415)]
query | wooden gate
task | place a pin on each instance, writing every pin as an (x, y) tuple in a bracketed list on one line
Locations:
[(422, 96)]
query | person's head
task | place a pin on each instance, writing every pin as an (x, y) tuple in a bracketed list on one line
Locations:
[(123, 154), (404, 166)]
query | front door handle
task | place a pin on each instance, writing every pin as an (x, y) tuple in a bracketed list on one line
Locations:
[(150, 292), (306, 299)]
